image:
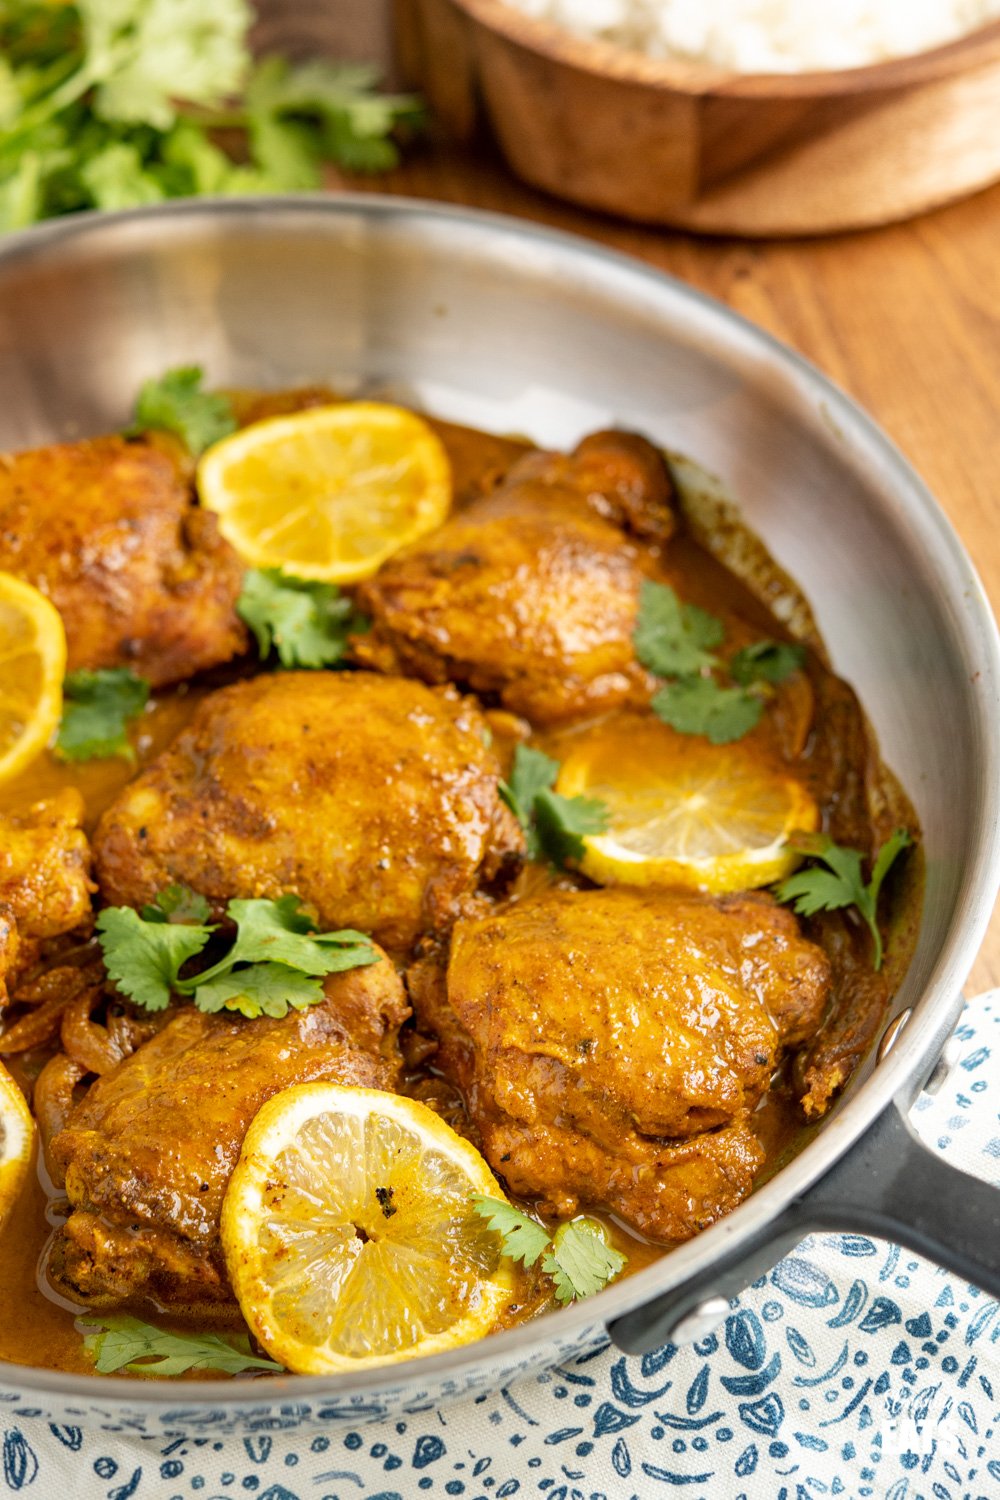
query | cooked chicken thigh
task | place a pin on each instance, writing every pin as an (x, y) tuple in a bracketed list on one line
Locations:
[(45, 866), (373, 799), (530, 593), (611, 1044), (107, 528), (149, 1152)]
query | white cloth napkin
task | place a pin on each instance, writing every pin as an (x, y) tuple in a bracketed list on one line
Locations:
[(852, 1369)]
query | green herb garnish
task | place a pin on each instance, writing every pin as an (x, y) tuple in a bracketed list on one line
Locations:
[(700, 705), (307, 623), (579, 1256), (124, 1343), (97, 708), (553, 825), (676, 641), (841, 883), (766, 661), (276, 961), (175, 402), (178, 903), (111, 105)]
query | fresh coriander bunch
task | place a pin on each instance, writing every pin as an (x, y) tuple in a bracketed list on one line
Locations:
[(112, 105)]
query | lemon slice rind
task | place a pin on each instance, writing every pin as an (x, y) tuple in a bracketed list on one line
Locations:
[(17, 1135), (713, 819), (32, 668), (305, 1284), (328, 493)]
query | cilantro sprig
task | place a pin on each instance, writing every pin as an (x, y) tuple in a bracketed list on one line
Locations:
[(112, 105), (677, 641), (836, 880), (579, 1257), (126, 1343), (175, 402), (98, 706), (275, 963), (306, 623), (553, 825)]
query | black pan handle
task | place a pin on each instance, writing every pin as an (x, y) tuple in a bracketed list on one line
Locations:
[(890, 1185)]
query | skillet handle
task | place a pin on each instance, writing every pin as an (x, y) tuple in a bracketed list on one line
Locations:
[(889, 1185)]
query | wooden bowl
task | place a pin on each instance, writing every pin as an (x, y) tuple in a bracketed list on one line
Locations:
[(703, 148)]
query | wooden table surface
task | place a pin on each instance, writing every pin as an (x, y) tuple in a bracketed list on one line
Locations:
[(907, 319)]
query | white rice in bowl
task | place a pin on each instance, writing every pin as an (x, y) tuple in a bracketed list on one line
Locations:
[(770, 36)]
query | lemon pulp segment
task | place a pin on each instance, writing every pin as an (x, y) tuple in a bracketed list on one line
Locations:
[(349, 1232)]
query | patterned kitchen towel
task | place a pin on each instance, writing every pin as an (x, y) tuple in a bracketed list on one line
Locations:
[(853, 1369)]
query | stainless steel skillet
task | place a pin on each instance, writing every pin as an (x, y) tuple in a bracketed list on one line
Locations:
[(517, 328)]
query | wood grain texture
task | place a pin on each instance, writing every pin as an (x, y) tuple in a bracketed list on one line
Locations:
[(906, 319), (682, 144)]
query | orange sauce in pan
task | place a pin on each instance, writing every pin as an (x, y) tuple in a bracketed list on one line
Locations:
[(37, 1327)]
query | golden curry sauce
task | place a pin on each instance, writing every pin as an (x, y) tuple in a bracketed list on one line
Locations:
[(861, 804)]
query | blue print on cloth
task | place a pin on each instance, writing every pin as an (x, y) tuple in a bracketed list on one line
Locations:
[(852, 1369)]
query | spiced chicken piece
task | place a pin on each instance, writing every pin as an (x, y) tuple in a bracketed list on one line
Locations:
[(530, 593), (45, 884), (611, 1045), (148, 1153), (108, 529), (45, 866), (373, 799)]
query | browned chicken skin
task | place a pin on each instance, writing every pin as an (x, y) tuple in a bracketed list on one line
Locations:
[(45, 867), (611, 1044), (107, 528), (373, 799), (530, 594), (149, 1152)]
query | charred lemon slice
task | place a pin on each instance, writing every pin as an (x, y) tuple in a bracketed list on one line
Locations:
[(32, 667), (17, 1132), (328, 493), (683, 812), (349, 1233)]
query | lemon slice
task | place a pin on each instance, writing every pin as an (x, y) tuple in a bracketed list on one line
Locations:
[(32, 667), (349, 1233), (328, 493), (17, 1132), (684, 812)]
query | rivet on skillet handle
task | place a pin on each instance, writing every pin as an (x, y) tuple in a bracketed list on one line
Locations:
[(890, 1185)]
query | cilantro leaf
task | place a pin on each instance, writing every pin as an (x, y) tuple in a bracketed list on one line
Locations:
[(523, 1239), (531, 773), (116, 177), (281, 932), (281, 957), (579, 1256), (674, 639), (142, 55), (144, 958), (262, 989), (553, 825), (109, 103), (355, 124), (97, 707), (561, 823), (699, 705), (766, 661), (582, 1259), (307, 623), (126, 1343), (886, 857), (841, 884), (177, 903), (175, 402)]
